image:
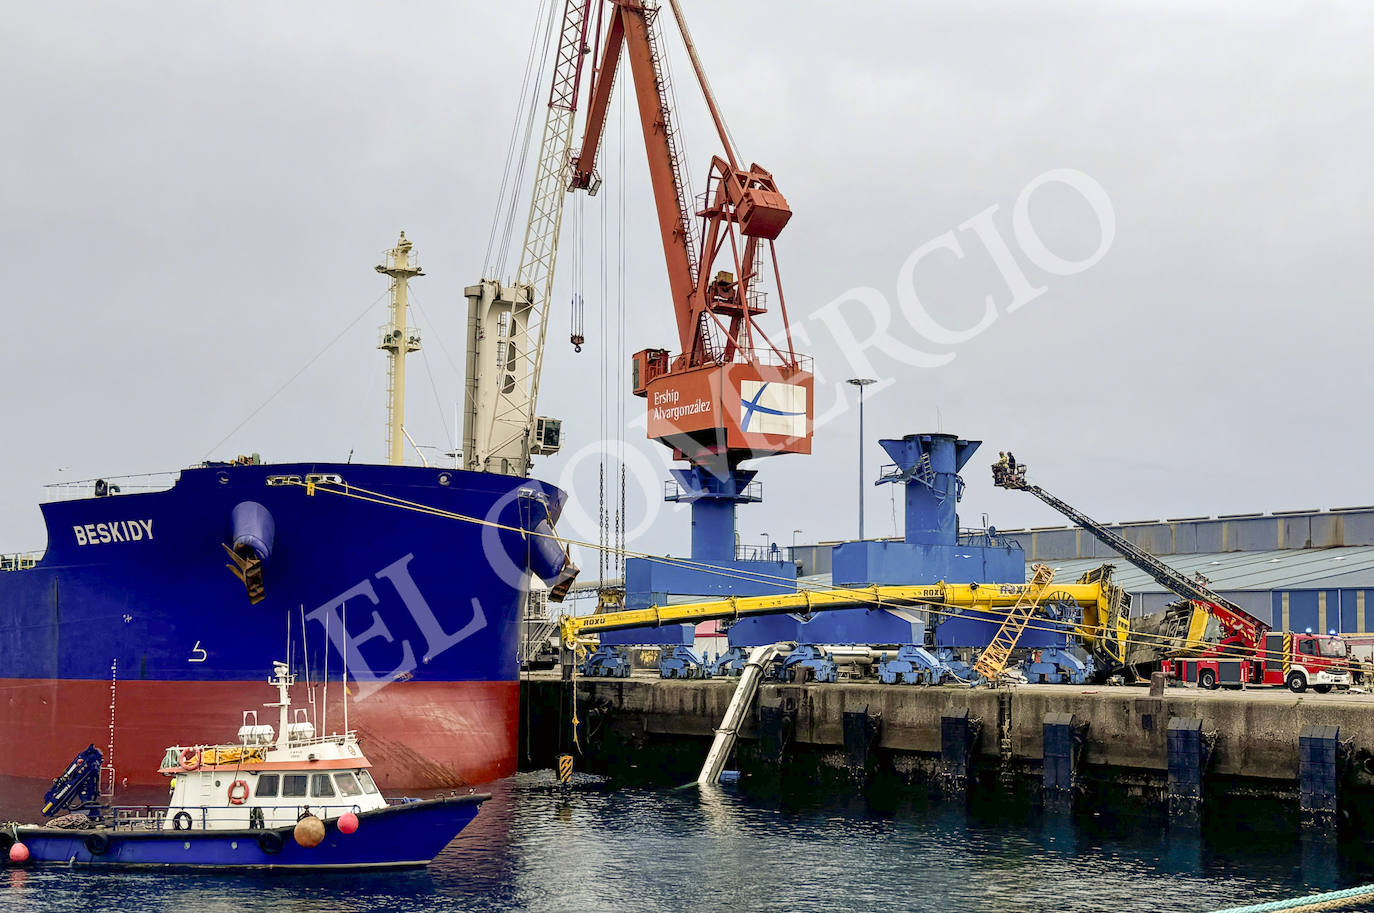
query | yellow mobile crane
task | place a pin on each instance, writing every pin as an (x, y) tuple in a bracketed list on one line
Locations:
[(1103, 629)]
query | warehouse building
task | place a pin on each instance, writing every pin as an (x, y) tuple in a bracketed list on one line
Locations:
[(1297, 570)]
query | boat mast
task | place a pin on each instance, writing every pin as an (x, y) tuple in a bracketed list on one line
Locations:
[(282, 679), (398, 341)]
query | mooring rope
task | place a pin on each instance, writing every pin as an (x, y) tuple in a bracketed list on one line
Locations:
[(1331, 900)]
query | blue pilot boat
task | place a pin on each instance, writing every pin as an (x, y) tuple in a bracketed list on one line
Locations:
[(274, 799)]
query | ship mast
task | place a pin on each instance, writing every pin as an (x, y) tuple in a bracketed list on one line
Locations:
[(398, 341)]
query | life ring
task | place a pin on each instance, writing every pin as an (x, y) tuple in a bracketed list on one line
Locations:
[(98, 844), (238, 792), (190, 759), (181, 821), (270, 842)]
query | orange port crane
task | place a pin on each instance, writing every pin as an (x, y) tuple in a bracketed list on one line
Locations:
[(733, 392)]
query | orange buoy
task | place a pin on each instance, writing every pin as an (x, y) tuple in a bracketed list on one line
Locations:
[(309, 831), (190, 759), (348, 823), (19, 853)]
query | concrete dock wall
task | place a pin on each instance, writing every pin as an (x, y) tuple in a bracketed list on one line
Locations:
[(1255, 733)]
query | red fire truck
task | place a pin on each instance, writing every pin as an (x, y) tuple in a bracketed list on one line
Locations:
[(1299, 661), (1247, 652)]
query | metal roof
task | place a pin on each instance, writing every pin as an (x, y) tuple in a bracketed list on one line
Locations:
[(1307, 568), (1286, 569)]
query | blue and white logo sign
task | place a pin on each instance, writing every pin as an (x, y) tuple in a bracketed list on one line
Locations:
[(769, 407)]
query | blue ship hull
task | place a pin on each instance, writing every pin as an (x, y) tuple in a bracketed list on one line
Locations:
[(399, 836), (133, 592)]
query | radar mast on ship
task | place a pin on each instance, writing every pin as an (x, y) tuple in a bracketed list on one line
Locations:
[(398, 341)]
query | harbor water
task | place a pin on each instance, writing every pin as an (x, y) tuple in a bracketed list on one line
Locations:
[(595, 845)]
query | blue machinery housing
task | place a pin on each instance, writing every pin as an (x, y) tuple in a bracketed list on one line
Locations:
[(927, 467)]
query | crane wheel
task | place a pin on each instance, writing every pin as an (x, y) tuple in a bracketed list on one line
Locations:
[(1297, 682), (1208, 679), (1321, 689)]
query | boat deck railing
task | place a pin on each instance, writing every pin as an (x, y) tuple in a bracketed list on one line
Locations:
[(158, 818), (334, 738)]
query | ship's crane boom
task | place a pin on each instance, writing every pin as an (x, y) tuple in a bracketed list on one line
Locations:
[(508, 326), (1238, 624)]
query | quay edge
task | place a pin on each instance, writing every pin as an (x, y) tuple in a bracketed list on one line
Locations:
[(651, 728)]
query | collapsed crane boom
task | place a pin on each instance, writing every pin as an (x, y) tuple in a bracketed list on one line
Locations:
[(1099, 600)]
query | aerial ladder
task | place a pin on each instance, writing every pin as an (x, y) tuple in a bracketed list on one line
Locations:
[(732, 392), (1239, 628), (507, 325)]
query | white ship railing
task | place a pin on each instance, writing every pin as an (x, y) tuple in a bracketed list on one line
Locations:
[(20, 561), (115, 485)]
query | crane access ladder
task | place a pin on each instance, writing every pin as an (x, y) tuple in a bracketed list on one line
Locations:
[(1229, 613), (992, 662)]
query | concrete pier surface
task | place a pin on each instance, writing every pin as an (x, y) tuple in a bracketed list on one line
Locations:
[(1251, 742)]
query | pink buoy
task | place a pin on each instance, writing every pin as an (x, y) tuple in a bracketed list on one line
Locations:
[(19, 853), (348, 823)]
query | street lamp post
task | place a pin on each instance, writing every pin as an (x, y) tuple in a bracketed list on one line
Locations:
[(861, 382)]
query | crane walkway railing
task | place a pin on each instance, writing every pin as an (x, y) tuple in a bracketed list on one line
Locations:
[(740, 702), (993, 660)]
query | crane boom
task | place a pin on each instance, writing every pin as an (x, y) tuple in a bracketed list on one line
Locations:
[(1239, 623), (1099, 599), (709, 403), (507, 327)]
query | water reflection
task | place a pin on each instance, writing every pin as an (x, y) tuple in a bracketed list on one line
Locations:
[(538, 846)]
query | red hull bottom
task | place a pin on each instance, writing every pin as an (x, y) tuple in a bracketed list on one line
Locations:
[(418, 735)]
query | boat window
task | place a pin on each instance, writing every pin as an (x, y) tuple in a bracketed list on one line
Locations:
[(293, 785), (366, 779), (267, 785), (320, 787), (347, 785)]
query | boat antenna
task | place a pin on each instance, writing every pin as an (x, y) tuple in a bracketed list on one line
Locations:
[(305, 661), (344, 619), (324, 704)]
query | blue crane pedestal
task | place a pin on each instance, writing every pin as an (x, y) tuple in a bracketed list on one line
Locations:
[(927, 467), (713, 570)]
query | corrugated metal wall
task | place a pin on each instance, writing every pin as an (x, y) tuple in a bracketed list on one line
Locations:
[(1241, 533)]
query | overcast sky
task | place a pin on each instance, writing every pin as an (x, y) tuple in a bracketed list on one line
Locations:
[(193, 196)]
